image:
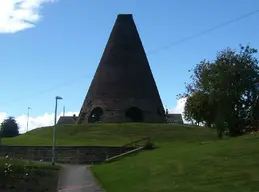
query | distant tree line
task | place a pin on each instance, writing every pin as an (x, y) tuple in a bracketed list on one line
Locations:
[(224, 93), (9, 128)]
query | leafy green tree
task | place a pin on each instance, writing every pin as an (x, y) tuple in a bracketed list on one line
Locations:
[(198, 108), (231, 85), (9, 128)]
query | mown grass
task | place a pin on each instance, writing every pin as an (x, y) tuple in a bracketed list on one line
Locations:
[(208, 166), (111, 134), (27, 176), (103, 134), (187, 158)]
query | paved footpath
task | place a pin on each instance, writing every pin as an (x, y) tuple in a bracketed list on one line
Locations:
[(77, 178)]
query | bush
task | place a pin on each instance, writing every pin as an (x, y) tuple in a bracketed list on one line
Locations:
[(12, 171), (149, 145), (18, 175)]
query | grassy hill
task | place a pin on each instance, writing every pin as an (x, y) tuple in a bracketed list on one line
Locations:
[(188, 158), (210, 166), (112, 134)]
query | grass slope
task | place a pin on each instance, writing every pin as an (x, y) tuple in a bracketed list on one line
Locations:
[(179, 165), (188, 158), (110, 134)]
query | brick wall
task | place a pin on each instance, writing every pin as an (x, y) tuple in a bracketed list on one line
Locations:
[(64, 154)]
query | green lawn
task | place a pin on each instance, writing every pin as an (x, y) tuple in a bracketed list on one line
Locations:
[(188, 158), (230, 165), (111, 134), (40, 178)]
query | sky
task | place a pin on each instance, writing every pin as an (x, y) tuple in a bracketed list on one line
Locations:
[(53, 47)]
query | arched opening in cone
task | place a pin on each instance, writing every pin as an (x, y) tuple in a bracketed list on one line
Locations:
[(96, 115), (134, 114)]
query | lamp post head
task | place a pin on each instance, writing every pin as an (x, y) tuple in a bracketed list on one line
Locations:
[(58, 97)]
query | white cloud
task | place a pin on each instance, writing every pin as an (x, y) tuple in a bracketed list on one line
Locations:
[(47, 119), (179, 108), (18, 15), (2, 116), (34, 122)]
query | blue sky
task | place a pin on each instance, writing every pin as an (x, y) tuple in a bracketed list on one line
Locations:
[(59, 55)]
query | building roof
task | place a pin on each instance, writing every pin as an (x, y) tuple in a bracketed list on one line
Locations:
[(66, 120), (174, 118)]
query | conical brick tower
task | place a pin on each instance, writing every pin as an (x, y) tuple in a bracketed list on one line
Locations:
[(123, 88)]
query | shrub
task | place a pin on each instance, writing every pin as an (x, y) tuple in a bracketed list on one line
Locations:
[(12, 171), (149, 145)]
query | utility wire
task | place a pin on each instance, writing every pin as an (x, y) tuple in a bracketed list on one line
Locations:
[(204, 32), (66, 83), (168, 46)]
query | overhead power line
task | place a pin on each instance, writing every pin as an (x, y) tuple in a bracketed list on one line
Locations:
[(166, 46), (204, 32), (55, 87)]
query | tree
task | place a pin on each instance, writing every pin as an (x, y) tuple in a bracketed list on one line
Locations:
[(9, 128), (198, 108), (230, 86)]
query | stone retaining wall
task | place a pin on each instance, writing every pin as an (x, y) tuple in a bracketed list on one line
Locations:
[(64, 154)]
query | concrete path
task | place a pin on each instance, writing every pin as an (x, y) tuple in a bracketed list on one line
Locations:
[(77, 178)]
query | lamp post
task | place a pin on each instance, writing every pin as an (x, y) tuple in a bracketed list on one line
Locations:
[(54, 129), (28, 118)]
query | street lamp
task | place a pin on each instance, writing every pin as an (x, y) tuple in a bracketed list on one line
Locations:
[(54, 129), (28, 118)]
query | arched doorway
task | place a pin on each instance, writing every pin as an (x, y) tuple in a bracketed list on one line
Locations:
[(134, 114), (96, 115)]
